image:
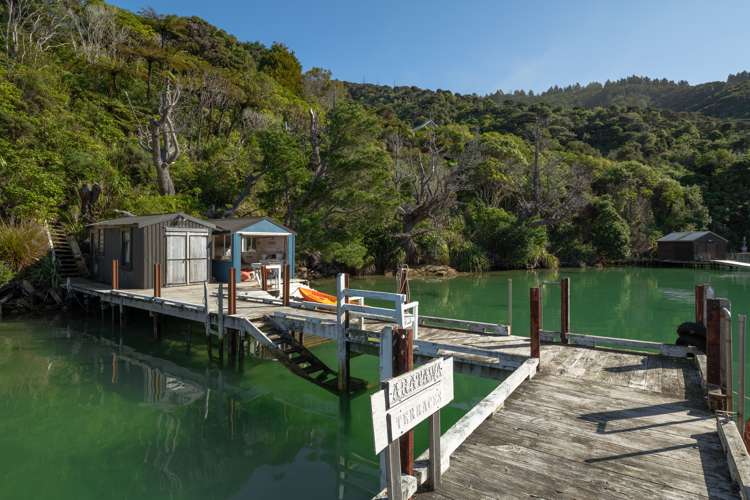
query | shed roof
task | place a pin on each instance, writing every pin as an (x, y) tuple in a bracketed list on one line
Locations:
[(689, 236), (147, 220), (237, 224)]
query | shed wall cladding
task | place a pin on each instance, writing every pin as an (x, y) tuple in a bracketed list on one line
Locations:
[(154, 238)]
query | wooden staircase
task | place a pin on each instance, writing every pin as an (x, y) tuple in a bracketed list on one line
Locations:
[(300, 360), (70, 262)]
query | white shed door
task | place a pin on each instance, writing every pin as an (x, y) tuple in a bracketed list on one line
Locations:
[(187, 258)]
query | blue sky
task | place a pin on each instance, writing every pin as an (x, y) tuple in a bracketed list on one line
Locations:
[(481, 46)]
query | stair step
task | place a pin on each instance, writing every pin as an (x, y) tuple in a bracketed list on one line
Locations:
[(312, 369)]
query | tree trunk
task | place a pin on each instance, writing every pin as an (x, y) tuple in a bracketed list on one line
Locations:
[(166, 186)]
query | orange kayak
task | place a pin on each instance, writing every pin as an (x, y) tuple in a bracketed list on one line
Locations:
[(311, 295)]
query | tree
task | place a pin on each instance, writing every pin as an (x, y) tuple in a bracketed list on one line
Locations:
[(428, 177), (283, 66), (160, 138), (31, 26), (609, 232)]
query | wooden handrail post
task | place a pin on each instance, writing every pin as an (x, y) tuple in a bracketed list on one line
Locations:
[(700, 304), (713, 342), (287, 283), (536, 310), (115, 274), (403, 362), (564, 309), (742, 323), (264, 277), (157, 280)]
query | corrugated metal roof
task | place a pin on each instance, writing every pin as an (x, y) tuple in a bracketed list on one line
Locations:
[(235, 224), (147, 220), (689, 236)]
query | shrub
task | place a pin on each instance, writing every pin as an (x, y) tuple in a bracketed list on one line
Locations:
[(22, 244), (6, 274), (469, 258)]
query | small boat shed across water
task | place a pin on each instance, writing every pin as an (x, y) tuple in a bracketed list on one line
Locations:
[(692, 246), (246, 243)]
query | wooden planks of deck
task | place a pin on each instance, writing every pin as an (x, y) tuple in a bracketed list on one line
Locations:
[(595, 424)]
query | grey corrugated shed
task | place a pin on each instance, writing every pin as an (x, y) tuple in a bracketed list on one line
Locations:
[(235, 224), (148, 220), (689, 236)]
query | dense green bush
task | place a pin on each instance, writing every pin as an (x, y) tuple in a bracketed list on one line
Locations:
[(22, 244), (469, 258)]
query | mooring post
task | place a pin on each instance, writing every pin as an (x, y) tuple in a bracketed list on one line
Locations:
[(510, 306), (220, 319), (115, 274), (287, 283), (713, 342), (700, 304), (342, 346), (536, 313), (742, 324), (264, 277), (403, 362), (232, 306), (564, 309), (157, 280)]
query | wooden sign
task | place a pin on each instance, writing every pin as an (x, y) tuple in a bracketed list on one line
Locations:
[(409, 399)]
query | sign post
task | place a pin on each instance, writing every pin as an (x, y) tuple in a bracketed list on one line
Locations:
[(404, 402)]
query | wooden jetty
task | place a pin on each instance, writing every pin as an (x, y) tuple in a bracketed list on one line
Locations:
[(574, 416)]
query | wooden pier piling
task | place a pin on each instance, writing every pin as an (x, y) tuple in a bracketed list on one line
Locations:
[(232, 306), (342, 346), (700, 304), (536, 320)]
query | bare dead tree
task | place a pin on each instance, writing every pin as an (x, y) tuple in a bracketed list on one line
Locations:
[(31, 27), (431, 184), (96, 33), (315, 164), (160, 137)]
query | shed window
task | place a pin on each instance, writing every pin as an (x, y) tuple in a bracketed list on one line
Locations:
[(222, 246), (126, 248), (99, 241)]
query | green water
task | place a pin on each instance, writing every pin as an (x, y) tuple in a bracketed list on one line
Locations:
[(82, 417), (636, 303)]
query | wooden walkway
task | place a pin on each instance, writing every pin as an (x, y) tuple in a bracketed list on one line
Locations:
[(595, 424), (481, 354)]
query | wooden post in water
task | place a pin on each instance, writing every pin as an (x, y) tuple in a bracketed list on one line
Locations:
[(403, 362), (287, 283), (342, 319), (742, 320), (510, 306), (564, 309), (700, 303), (536, 318), (115, 274)]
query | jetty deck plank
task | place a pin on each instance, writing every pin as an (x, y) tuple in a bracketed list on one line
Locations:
[(595, 424)]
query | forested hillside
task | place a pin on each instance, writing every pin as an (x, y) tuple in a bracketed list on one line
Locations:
[(729, 99), (154, 113)]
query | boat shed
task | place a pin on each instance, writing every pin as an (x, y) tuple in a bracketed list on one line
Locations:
[(692, 246), (178, 242), (246, 243)]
